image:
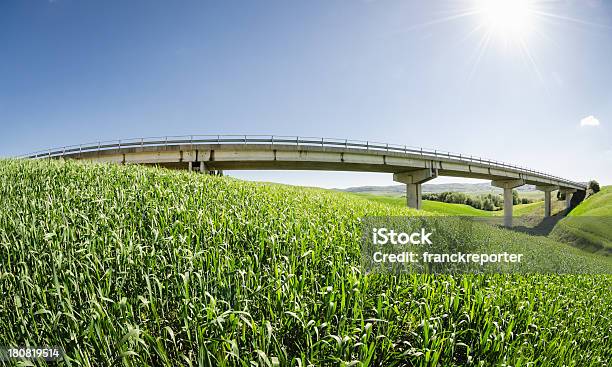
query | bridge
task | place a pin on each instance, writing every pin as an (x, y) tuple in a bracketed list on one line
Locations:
[(409, 165)]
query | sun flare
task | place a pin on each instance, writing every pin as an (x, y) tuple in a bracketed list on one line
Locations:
[(508, 19), (512, 27)]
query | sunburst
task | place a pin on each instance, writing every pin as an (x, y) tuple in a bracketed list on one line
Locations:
[(509, 24)]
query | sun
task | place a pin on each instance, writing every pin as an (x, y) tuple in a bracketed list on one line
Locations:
[(513, 27), (509, 19)]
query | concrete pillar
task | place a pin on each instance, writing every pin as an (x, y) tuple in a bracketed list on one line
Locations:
[(547, 204), (568, 196), (413, 181), (508, 185), (507, 207), (547, 198), (204, 169), (190, 166), (413, 196)]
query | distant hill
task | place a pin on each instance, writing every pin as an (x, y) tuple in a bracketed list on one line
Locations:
[(468, 188)]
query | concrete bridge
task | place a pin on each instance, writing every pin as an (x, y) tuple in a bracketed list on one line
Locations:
[(410, 166)]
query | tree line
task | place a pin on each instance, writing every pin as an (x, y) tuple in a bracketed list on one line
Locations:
[(489, 202)]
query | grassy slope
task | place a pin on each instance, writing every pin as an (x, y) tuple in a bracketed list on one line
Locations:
[(537, 208), (453, 209), (138, 266), (599, 204), (589, 225)]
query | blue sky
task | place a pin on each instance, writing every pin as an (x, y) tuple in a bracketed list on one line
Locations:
[(391, 71)]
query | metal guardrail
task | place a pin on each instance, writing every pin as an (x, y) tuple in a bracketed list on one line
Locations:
[(71, 150)]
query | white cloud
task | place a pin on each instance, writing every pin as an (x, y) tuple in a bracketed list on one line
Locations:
[(589, 121)]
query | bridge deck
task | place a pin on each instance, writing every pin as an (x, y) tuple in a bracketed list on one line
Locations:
[(295, 153)]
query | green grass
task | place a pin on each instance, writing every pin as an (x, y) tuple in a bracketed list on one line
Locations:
[(589, 225), (453, 209), (533, 195), (428, 205), (526, 209), (135, 266), (437, 207), (393, 201), (536, 209), (598, 205)]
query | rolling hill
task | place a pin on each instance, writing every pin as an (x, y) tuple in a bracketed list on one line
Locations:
[(589, 225), (138, 266)]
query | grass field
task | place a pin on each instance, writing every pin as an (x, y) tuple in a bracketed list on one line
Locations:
[(536, 209), (135, 266), (428, 205), (589, 225)]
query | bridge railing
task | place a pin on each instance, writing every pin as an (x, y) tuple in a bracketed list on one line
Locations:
[(71, 150)]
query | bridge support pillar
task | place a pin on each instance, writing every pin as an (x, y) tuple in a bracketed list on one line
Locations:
[(568, 196), (508, 185), (206, 170), (547, 197), (190, 166), (413, 181), (414, 196)]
